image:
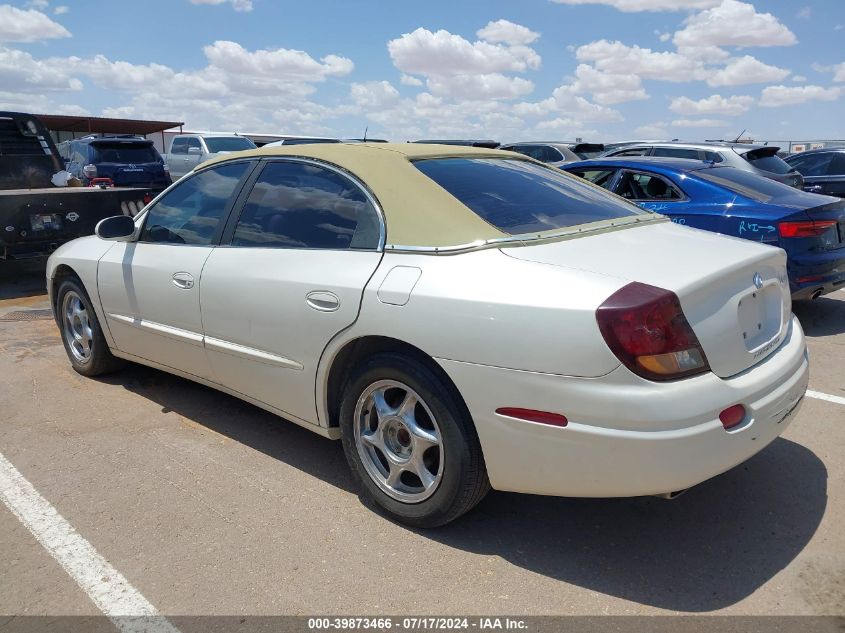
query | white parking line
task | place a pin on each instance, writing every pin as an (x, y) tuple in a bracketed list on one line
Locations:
[(818, 395), (107, 588)]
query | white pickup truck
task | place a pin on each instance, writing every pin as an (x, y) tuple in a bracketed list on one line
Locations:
[(189, 150)]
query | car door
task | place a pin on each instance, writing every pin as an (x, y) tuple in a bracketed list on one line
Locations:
[(195, 154), (178, 157), (289, 276), (149, 288)]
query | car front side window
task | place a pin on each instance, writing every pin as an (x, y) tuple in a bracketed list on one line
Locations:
[(302, 205), (191, 212)]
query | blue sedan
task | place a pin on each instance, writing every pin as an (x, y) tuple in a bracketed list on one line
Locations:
[(703, 195)]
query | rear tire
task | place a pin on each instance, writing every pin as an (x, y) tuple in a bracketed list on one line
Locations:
[(81, 333), (410, 442)]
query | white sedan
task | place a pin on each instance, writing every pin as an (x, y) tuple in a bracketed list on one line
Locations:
[(460, 318)]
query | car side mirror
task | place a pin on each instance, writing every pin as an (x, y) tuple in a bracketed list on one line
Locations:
[(117, 228), (195, 150)]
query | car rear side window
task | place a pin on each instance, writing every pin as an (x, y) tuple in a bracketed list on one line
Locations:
[(519, 197), (635, 151), (675, 152), (837, 165), (191, 211), (812, 164), (301, 205)]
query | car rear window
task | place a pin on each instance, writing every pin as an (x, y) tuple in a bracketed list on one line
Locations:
[(768, 162), (519, 197), (745, 183), (132, 153), (228, 144)]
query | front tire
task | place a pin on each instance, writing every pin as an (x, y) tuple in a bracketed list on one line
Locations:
[(82, 335), (410, 442)]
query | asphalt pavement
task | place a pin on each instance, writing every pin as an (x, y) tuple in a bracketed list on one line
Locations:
[(203, 504)]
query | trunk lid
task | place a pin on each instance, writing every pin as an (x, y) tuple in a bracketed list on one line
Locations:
[(734, 293)]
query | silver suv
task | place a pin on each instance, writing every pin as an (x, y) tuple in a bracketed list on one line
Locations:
[(759, 159)]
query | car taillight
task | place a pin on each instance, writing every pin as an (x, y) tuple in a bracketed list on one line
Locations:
[(732, 416), (646, 329), (148, 197), (813, 228)]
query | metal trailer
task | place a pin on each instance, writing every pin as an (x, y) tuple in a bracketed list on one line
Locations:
[(36, 217)]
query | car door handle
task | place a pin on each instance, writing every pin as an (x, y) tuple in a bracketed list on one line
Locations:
[(323, 301), (183, 280)]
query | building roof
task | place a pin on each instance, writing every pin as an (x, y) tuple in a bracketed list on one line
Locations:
[(101, 125)]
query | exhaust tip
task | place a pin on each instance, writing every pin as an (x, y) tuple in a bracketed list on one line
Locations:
[(816, 294), (671, 495)]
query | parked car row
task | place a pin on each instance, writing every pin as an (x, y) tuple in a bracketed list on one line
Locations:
[(736, 202)]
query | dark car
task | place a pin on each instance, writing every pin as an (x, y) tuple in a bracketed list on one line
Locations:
[(823, 170), (489, 144), (123, 161), (556, 153), (809, 227), (762, 160)]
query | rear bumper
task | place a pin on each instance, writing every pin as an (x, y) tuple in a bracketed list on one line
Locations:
[(817, 276), (627, 436)]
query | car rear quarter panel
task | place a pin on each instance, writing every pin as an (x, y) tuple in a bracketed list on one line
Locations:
[(486, 308)]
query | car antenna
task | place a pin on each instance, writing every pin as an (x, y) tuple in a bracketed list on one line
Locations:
[(739, 136)]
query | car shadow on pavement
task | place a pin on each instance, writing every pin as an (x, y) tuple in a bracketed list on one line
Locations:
[(823, 317), (705, 550), (24, 278), (239, 421)]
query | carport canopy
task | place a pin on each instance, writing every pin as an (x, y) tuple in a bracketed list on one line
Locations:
[(102, 125)]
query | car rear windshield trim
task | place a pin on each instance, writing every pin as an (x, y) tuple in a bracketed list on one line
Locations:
[(519, 197)]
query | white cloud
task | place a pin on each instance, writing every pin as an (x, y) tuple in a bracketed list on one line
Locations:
[(798, 78), (632, 6), (19, 25), (472, 87), (643, 62), (746, 70), (775, 96), (21, 72), (838, 70), (503, 31), (564, 102), (61, 9), (374, 94), (443, 53), (698, 123), (408, 80), (605, 87), (237, 5), (652, 131), (282, 64), (805, 13), (714, 104), (733, 23)]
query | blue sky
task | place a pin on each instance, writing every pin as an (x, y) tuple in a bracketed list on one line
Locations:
[(503, 69)]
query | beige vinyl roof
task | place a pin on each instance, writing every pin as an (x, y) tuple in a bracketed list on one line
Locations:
[(417, 211)]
